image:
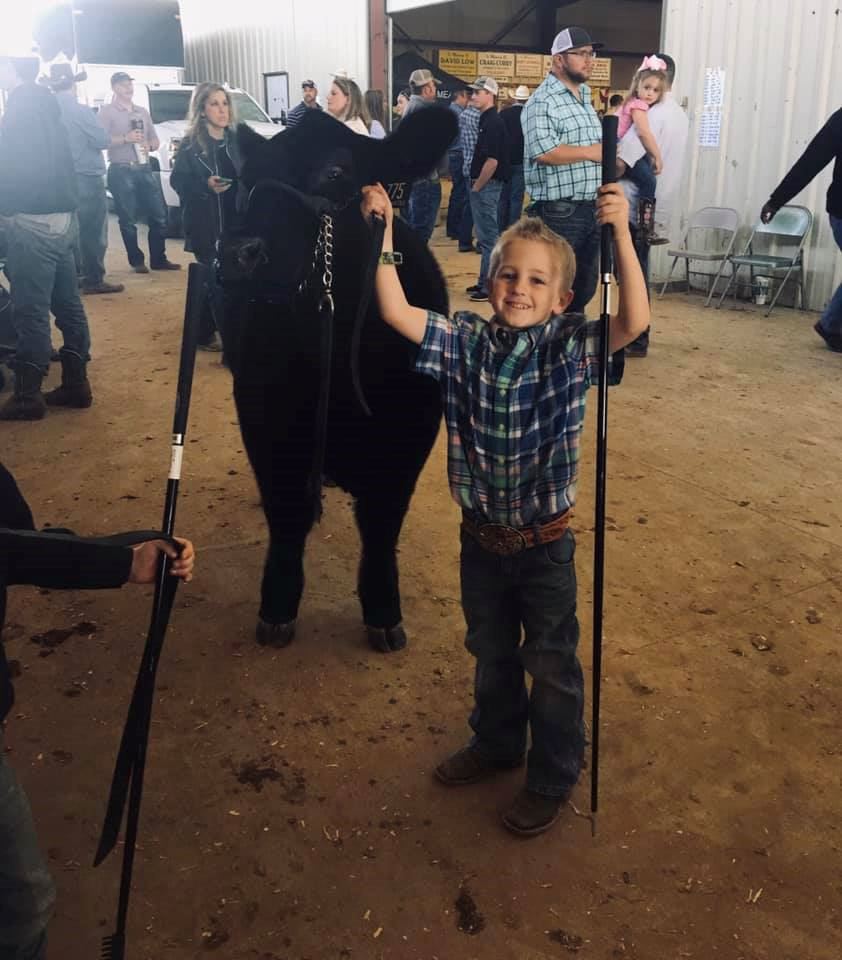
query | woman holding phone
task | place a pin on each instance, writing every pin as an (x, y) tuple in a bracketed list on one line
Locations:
[(205, 178)]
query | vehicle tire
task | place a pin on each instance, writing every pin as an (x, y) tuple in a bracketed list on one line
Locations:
[(174, 224)]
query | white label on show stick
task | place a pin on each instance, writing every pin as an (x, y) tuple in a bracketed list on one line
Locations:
[(175, 462)]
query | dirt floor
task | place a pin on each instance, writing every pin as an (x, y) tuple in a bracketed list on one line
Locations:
[(290, 812)]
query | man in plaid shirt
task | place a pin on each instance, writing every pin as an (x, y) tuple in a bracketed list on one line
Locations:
[(563, 155), (514, 397)]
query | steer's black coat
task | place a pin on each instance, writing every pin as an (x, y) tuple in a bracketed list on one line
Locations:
[(274, 345)]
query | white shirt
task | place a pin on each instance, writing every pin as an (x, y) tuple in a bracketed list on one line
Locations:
[(670, 127), (357, 126)]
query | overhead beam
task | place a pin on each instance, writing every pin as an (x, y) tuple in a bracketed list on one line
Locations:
[(512, 22)]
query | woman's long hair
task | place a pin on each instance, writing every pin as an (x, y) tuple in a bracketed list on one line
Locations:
[(197, 125), (375, 106), (356, 105)]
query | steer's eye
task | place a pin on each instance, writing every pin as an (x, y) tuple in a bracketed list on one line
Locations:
[(334, 173)]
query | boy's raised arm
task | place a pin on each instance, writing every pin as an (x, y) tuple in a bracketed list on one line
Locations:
[(394, 307), (633, 315)]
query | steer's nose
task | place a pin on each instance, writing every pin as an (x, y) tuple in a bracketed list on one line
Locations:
[(334, 173)]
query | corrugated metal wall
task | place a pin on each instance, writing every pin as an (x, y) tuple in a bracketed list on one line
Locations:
[(783, 79), (240, 40)]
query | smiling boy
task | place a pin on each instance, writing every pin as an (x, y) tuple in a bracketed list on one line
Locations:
[(514, 393)]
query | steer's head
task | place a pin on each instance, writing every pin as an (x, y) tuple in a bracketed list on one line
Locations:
[(320, 166)]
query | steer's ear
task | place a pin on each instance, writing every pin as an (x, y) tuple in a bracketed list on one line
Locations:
[(248, 141), (416, 147)]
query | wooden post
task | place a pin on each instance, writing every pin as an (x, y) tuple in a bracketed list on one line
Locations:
[(378, 43)]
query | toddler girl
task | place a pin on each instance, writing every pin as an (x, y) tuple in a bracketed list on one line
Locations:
[(647, 89)]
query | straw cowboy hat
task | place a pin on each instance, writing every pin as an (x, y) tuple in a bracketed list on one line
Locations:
[(522, 93)]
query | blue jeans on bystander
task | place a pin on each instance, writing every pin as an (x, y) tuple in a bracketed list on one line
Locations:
[(575, 220), (137, 192), (423, 209), (485, 205), (42, 271), (831, 319), (511, 198)]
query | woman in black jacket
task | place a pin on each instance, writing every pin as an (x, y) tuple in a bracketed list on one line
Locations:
[(204, 177)]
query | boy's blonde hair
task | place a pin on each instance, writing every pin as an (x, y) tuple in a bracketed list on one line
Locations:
[(536, 231)]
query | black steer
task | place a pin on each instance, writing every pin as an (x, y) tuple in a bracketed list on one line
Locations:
[(305, 408)]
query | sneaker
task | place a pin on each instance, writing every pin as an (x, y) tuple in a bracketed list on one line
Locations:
[(473, 288), (478, 296), (140, 268), (532, 813), (469, 765), (469, 249), (166, 265), (833, 340), (102, 287)]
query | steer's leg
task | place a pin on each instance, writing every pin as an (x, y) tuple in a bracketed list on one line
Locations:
[(283, 580), (379, 518)]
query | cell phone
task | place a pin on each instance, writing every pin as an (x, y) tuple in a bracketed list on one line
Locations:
[(225, 180)]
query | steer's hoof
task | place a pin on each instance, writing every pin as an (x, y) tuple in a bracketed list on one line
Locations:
[(275, 634), (387, 640)]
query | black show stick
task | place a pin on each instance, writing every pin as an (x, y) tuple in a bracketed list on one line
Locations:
[(609, 175), (131, 758)]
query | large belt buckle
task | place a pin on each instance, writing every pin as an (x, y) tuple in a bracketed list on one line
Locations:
[(501, 539)]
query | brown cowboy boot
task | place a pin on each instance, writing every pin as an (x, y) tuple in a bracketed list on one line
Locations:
[(75, 390), (27, 402)]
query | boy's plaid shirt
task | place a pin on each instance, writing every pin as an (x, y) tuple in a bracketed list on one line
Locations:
[(514, 411), (552, 116)]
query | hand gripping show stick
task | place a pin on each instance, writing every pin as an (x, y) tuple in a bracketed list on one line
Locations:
[(609, 175), (131, 757)]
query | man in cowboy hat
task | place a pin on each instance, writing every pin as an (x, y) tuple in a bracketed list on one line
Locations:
[(87, 141), (309, 101), (562, 159), (38, 198), (511, 199)]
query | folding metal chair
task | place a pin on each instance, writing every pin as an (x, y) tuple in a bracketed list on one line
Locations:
[(710, 238), (789, 227)]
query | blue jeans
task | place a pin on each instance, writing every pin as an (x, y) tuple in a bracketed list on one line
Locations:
[(831, 319), (93, 227), (27, 893), (458, 198), (511, 198), (423, 208), (42, 272), (642, 175), (534, 591), (137, 192), (575, 221), (484, 207)]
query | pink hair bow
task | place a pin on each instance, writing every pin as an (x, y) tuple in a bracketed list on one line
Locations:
[(652, 62)]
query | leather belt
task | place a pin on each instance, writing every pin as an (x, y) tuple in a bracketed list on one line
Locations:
[(508, 541)]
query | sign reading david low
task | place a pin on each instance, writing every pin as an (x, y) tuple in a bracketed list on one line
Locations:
[(461, 63)]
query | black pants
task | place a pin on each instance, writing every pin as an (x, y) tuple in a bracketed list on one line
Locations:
[(93, 228), (137, 193)]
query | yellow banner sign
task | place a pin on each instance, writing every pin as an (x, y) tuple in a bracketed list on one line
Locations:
[(548, 64), (529, 66), (601, 73), (501, 66), (461, 63)]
